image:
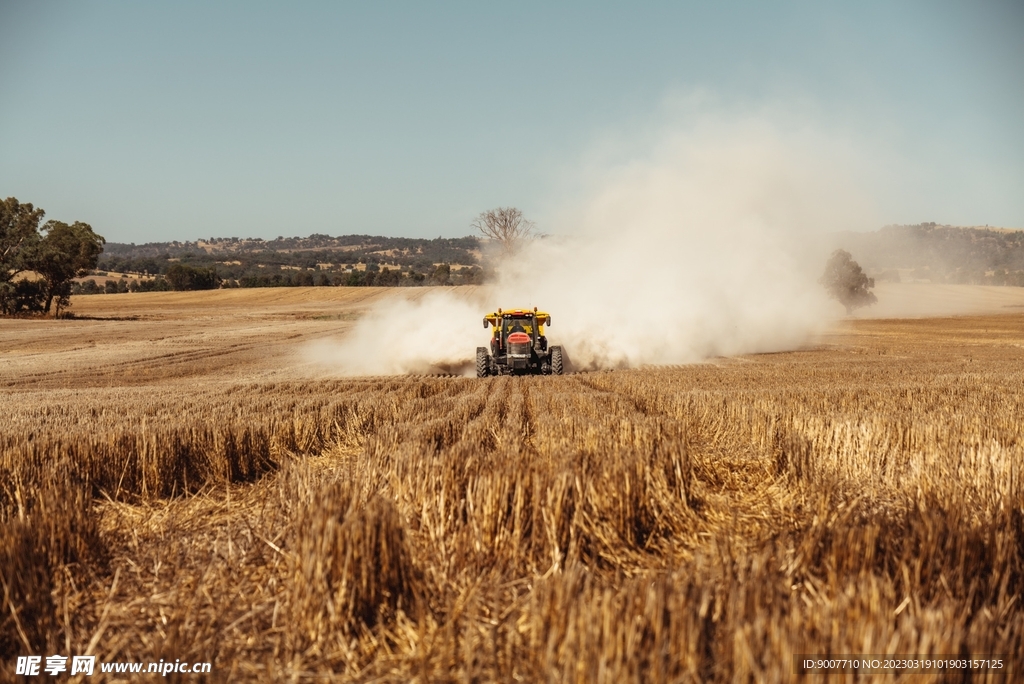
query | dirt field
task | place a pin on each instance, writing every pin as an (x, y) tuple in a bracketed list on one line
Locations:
[(899, 300), (138, 338), (174, 484)]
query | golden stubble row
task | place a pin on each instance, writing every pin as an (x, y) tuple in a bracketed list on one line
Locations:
[(693, 524)]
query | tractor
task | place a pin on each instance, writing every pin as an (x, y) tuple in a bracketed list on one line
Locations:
[(518, 345)]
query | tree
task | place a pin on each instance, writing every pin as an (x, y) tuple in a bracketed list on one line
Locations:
[(185, 277), (442, 275), (19, 233), (846, 281), (388, 278), (27, 297), (64, 253), (506, 226)]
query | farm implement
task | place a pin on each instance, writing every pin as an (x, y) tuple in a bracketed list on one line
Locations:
[(518, 345)]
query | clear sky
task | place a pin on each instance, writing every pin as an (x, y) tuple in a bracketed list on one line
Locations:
[(180, 120)]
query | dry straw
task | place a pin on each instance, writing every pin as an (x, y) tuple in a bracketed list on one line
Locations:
[(665, 525)]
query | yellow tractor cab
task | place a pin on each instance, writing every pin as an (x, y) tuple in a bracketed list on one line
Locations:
[(518, 345), (511, 318)]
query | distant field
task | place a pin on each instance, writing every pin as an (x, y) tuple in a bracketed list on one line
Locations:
[(145, 337), (174, 484), (274, 300), (897, 300)]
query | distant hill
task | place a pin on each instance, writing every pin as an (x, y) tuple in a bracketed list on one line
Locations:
[(947, 254), (921, 252), (317, 259)]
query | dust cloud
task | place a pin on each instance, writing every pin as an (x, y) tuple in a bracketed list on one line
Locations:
[(709, 243), (435, 333)]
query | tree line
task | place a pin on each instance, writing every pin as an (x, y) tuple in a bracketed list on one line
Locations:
[(319, 260), (183, 277), (252, 259), (297, 251), (941, 253), (38, 261)]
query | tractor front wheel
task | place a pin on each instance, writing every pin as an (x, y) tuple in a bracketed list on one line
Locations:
[(556, 360), (483, 362)]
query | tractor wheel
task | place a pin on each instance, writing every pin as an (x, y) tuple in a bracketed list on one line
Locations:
[(556, 360), (483, 362)]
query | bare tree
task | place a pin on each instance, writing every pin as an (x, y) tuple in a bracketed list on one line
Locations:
[(506, 226)]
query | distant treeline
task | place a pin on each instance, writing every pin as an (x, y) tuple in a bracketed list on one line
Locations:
[(941, 254), (184, 277), (929, 251), (319, 260)]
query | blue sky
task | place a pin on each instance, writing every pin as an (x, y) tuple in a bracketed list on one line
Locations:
[(185, 120)]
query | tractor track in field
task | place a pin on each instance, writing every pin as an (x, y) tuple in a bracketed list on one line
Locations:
[(147, 369)]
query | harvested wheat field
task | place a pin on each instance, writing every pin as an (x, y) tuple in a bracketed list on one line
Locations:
[(172, 489)]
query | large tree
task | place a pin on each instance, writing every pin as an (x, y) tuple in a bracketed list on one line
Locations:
[(19, 235), (846, 281), (505, 225), (64, 253)]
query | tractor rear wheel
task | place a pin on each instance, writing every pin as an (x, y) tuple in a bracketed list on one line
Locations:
[(556, 360), (483, 362)]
